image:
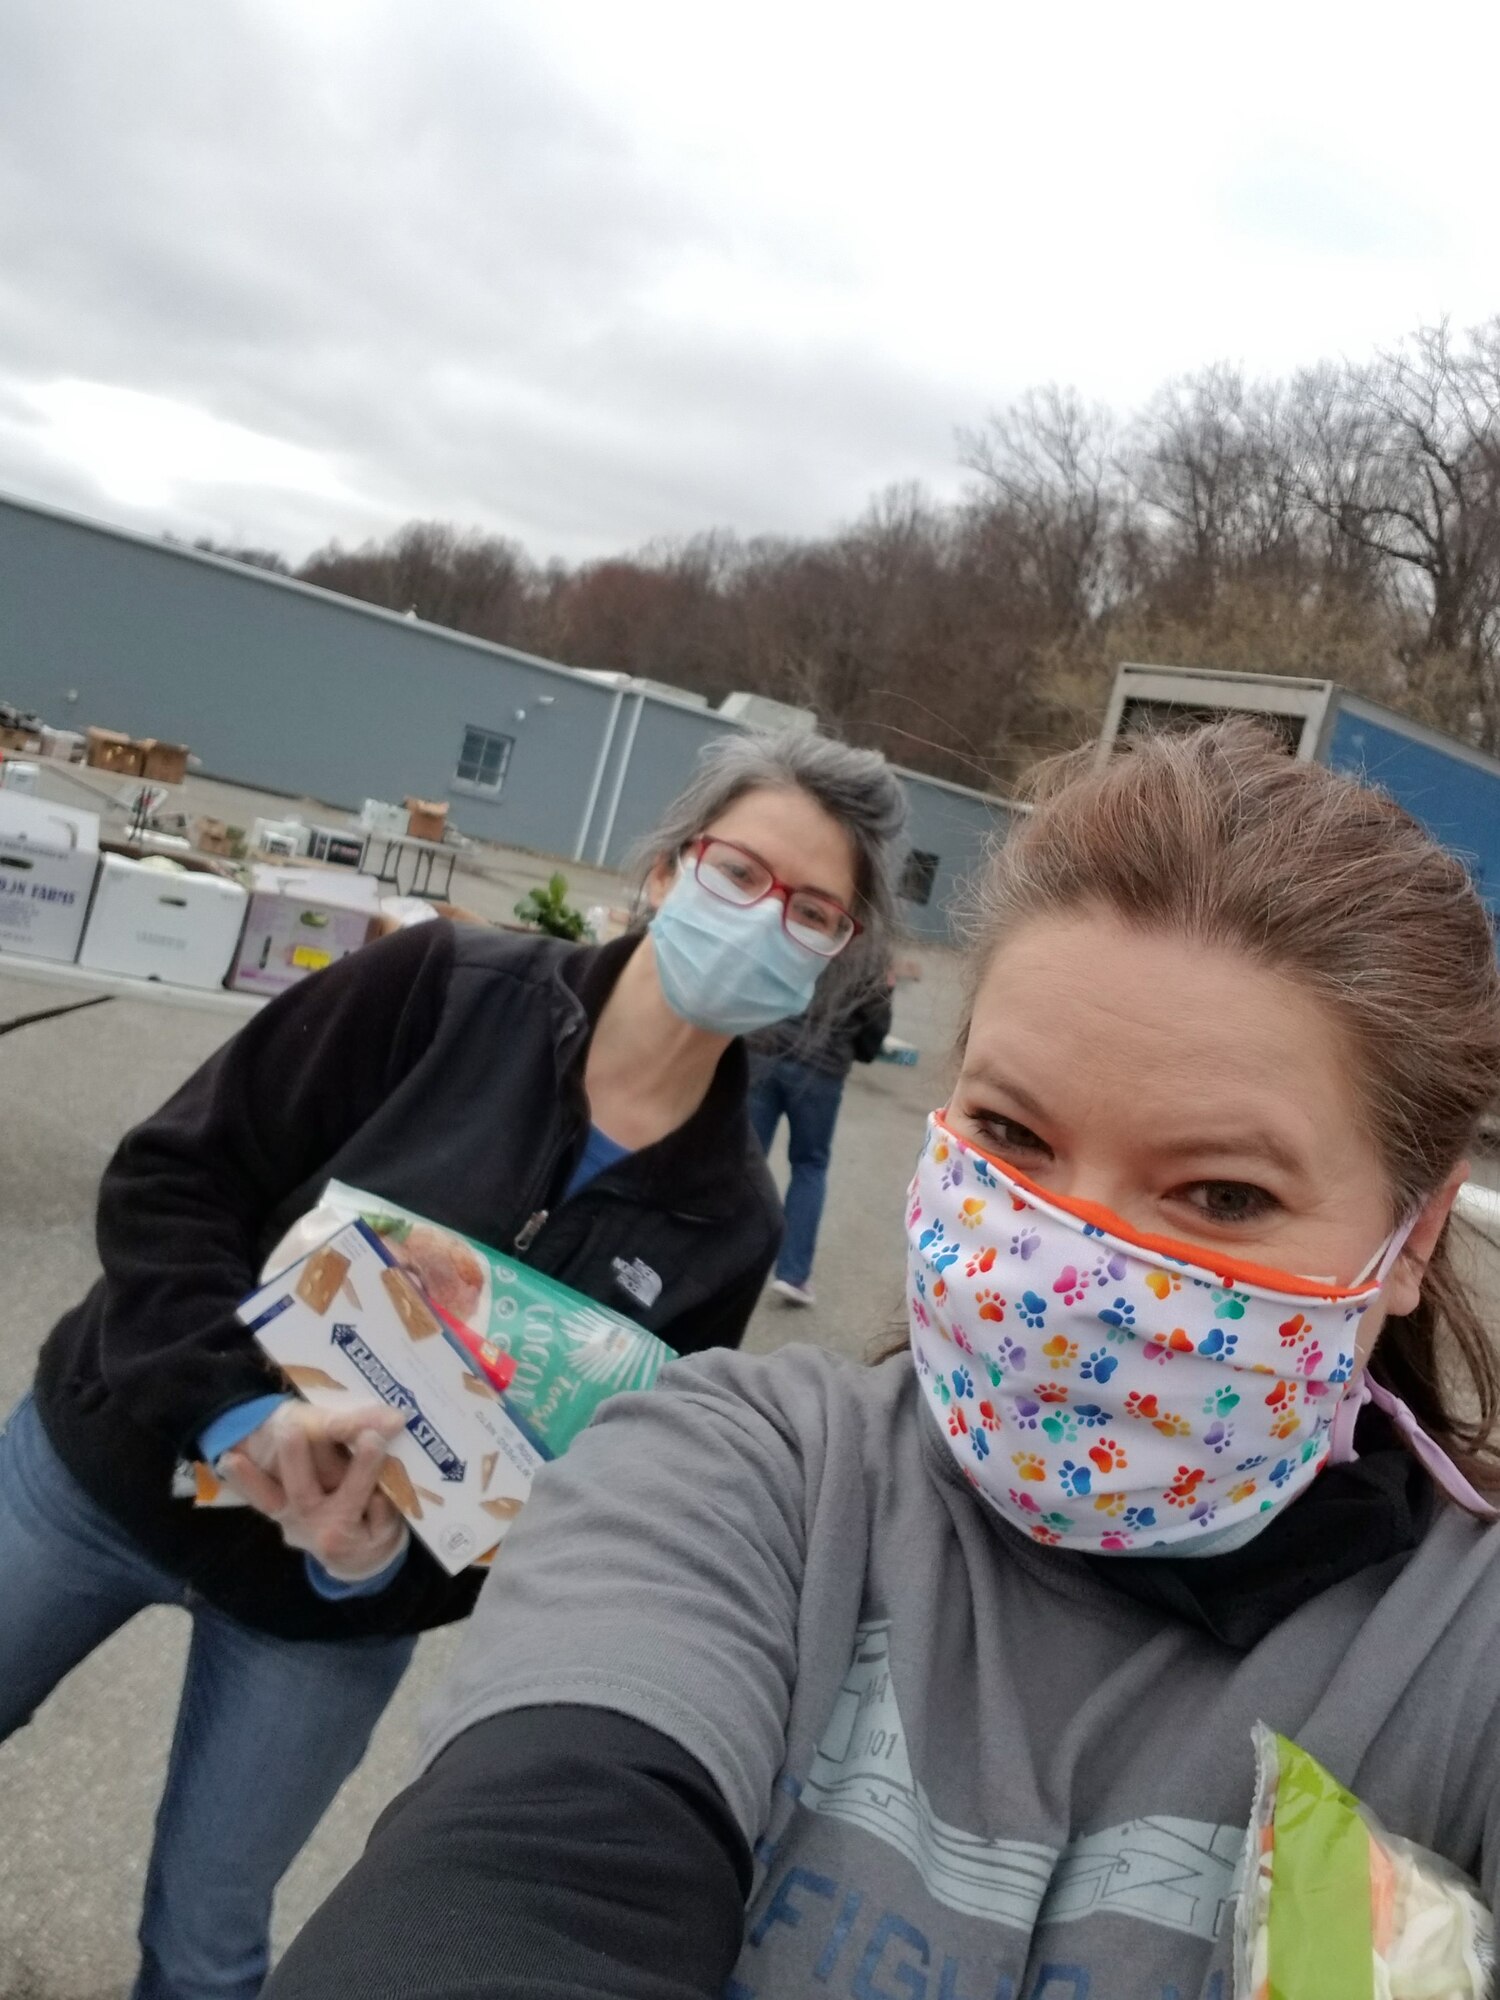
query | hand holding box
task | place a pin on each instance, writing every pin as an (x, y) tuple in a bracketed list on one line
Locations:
[(317, 1473), (346, 1322)]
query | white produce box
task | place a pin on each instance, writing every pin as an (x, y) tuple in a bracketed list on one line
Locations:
[(178, 925), (283, 838), (336, 846), (383, 820), (49, 856)]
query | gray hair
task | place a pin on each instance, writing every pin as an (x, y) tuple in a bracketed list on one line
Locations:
[(856, 788)]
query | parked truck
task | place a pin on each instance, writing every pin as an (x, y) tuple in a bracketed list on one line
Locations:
[(1451, 787)]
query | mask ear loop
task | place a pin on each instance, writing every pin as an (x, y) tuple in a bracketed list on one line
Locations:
[(1359, 1391), (1383, 1262), (1362, 1391)]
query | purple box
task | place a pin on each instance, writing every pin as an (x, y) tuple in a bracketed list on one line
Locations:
[(299, 920)]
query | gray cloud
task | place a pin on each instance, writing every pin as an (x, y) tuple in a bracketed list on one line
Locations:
[(431, 261)]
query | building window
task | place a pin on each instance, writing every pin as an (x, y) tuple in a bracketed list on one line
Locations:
[(919, 876), (484, 759)]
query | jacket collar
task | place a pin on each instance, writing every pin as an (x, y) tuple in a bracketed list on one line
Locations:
[(712, 1151)]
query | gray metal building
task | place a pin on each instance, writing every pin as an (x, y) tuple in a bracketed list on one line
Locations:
[(294, 689)]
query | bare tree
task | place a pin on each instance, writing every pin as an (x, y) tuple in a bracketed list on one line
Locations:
[(1402, 458), (1210, 467), (1048, 461), (468, 580)]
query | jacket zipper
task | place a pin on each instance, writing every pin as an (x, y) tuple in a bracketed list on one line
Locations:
[(526, 1235), (532, 1227)]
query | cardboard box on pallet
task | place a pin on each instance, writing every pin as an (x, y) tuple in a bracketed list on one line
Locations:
[(163, 763), (299, 920), (214, 836), (110, 750), (348, 1324), (49, 856)]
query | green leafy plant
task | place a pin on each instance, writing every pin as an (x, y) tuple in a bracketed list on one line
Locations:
[(548, 909)]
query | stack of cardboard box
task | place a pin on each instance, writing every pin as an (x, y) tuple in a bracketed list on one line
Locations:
[(132, 757), (183, 919)]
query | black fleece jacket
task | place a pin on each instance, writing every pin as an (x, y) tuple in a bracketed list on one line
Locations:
[(442, 1069)]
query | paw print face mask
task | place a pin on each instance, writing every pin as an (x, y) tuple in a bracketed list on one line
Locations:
[(1111, 1393)]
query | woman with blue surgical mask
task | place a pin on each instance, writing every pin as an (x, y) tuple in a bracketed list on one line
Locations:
[(938, 1678), (735, 948), (580, 1107)]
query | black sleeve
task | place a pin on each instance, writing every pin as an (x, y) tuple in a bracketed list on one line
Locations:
[(550, 1854), (186, 1199)]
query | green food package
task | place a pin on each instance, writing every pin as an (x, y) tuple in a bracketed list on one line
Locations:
[(553, 1354), (1333, 1907)]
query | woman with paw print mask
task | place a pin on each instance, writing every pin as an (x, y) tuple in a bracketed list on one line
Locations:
[(939, 1678)]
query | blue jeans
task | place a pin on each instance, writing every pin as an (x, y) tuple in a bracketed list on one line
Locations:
[(267, 1730), (809, 1100)]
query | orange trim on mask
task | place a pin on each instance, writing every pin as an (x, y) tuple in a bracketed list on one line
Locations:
[(1236, 1270)]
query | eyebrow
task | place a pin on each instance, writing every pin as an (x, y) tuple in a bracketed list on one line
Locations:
[(1250, 1145), (1253, 1144), (1015, 1091)]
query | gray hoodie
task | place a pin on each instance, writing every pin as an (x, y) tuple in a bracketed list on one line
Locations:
[(968, 1768)]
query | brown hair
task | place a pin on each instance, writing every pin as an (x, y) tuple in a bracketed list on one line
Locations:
[(1217, 834)]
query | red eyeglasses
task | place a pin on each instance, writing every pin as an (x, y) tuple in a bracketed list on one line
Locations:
[(735, 875)]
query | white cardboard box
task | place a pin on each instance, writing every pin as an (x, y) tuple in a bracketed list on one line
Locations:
[(346, 1323), (49, 856), (383, 820), (280, 837), (181, 926), (337, 846)]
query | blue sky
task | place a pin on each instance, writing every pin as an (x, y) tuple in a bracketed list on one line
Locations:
[(589, 275)]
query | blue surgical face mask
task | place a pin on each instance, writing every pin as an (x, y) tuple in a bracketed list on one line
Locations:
[(728, 969)]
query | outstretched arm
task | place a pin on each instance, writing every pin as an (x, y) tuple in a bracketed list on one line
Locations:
[(548, 1852)]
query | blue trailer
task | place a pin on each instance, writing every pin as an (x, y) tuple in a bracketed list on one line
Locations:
[(1451, 787)]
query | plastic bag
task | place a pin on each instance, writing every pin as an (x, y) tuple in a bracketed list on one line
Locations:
[(1335, 1908)]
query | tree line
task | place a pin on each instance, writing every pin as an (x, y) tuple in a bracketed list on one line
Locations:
[(1342, 522)]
